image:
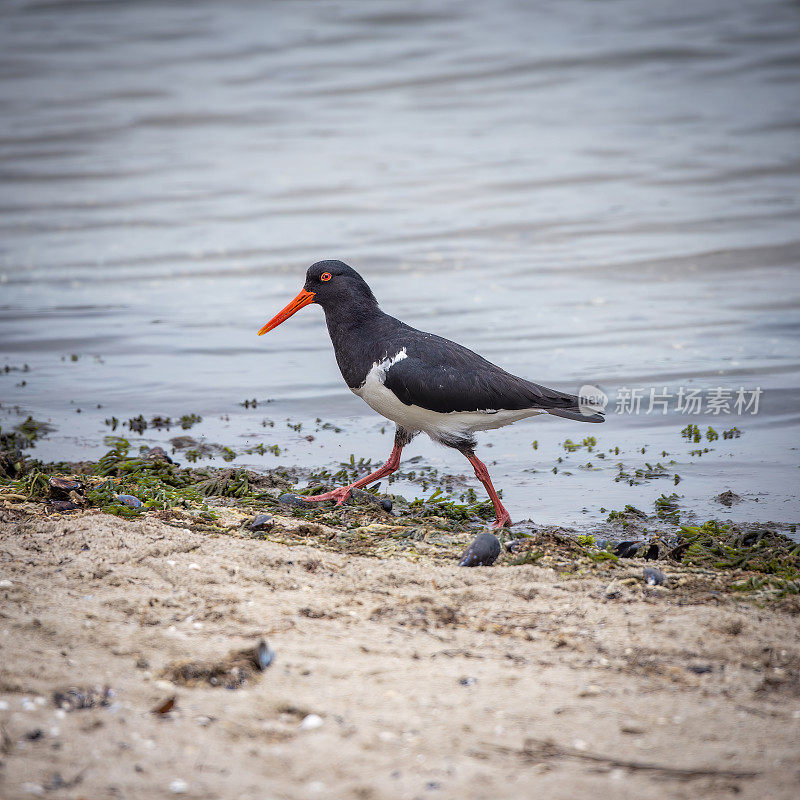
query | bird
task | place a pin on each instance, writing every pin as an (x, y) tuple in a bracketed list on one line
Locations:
[(421, 382)]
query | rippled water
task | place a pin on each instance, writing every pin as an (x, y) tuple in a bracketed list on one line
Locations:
[(583, 192)]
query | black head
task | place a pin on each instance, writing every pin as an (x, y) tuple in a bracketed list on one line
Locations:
[(335, 284), (339, 289)]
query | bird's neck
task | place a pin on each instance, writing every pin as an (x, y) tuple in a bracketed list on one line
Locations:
[(358, 333)]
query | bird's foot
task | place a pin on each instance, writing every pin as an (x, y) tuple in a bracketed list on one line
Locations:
[(340, 495), (503, 521)]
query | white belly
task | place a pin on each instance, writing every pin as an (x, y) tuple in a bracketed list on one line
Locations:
[(415, 418)]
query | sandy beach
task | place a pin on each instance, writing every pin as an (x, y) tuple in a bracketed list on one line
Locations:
[(398, 677)]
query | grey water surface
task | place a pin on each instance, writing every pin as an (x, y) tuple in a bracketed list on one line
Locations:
[(584, 193)]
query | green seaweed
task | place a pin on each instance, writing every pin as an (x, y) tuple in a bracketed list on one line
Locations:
[(667, 508), (725, 547)]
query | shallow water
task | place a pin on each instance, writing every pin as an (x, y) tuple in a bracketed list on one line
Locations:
[(582, 192)]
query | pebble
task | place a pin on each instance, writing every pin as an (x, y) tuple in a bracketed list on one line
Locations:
[(6, 584), (469, 681), (631, 729), (590, 691), (386, 504), (482, 552), (310, 722), (178, 786), (193, 566), (262, 522)]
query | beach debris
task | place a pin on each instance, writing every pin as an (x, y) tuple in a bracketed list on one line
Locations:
[(653, 551), (61, 506), (360, 496), (264, 655), (75, 699), (129, 500), (261, 522), (137, 424), (482, 552), (654, 577), (467, 680), (235, 670), (158, 422), (310, 722), (515, 545), (290, 499), (700, 669), (627, 549), (543, 751), (178, 786), (62, 488), (613, 591), (728, 498), (165, 706), (617, 588), (57, 782), (158, 454)]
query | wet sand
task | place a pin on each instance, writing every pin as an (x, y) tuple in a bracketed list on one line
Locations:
[(427, 680)]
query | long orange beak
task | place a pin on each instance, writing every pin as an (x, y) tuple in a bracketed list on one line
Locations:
[(303, 299)]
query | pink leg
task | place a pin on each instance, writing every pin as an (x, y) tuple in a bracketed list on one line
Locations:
[(482, 474), (341, 494)]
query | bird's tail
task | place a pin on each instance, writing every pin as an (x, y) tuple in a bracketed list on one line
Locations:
[(577, 415)]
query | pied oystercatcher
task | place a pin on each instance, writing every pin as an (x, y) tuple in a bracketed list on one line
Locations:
[(420, 381)]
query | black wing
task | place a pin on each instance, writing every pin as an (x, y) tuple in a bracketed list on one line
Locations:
[(443, 376)]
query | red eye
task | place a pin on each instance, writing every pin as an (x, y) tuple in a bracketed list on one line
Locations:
[(326, 276)]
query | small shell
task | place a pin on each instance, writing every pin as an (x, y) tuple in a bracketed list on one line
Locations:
[(264, 655), (129, 500), (290, 499), (261, 522), (627, 549), (654, 577), (482, 552), (60, 488)]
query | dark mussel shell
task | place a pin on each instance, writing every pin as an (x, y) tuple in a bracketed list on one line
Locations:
[(482, 552)]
